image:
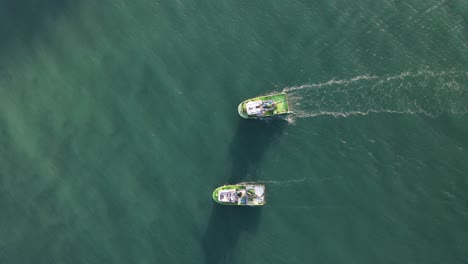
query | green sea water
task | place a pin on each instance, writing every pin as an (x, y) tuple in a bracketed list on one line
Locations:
[(119, 118)]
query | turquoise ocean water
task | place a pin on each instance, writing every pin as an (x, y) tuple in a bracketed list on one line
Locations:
[(118, 119)]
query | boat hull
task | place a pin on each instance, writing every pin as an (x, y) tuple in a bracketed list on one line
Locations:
[(282, 106), (249, 189)]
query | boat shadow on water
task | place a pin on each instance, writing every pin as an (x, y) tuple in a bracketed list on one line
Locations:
[(252, 139), (228, 224)]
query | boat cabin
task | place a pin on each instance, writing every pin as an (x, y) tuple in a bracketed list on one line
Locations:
[(254, 108), (233, 196)]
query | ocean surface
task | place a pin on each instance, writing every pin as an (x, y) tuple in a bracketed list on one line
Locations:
[(119, 118)]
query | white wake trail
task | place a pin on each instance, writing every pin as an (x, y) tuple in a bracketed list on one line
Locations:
[(300, 180), (424, 92), (331, 82)]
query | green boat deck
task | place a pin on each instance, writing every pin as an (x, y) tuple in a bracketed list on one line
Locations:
[(281, 100)]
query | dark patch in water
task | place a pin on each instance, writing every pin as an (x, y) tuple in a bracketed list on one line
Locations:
[(23, 20), (227, 223)]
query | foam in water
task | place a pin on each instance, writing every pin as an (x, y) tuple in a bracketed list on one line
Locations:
[(424, 92), (309, 207), (300, 180)]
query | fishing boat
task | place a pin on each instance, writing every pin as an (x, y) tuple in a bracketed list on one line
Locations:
[(264, 106), (241, 194)]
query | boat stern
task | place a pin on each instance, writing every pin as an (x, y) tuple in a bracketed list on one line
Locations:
[(256, 194)]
